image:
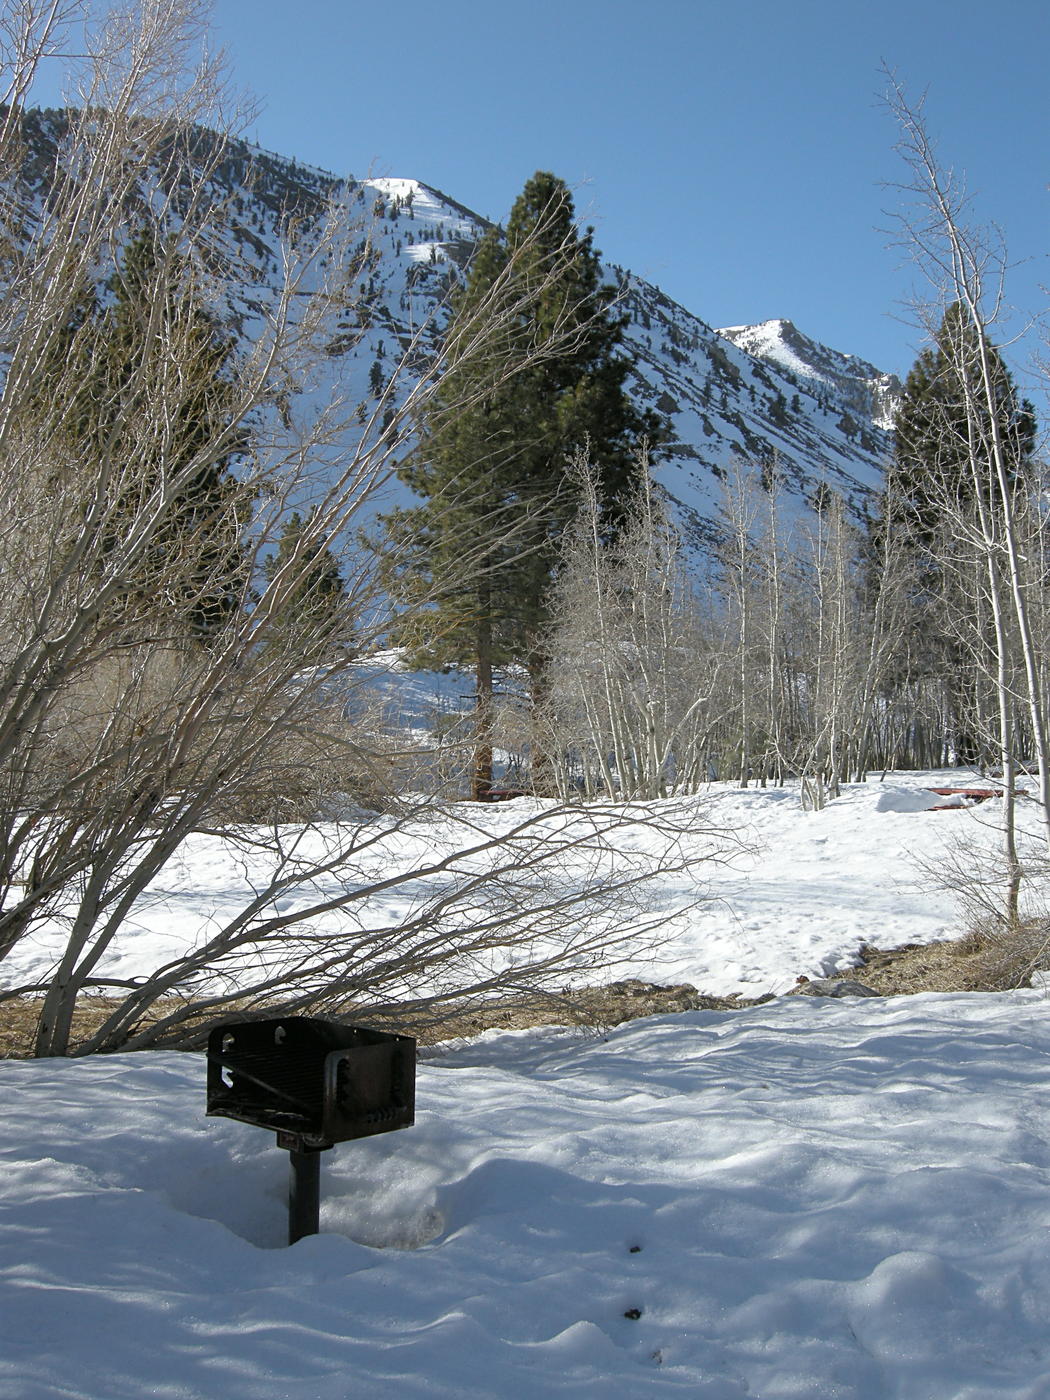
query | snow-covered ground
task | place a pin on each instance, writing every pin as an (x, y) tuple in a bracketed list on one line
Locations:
[(814, 1197), (792, 893), (810, 1198)]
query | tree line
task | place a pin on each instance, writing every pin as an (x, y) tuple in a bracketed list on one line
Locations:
[(816, 648), (184, 591)]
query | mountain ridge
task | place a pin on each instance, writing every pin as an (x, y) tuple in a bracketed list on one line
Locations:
[(763, 396)]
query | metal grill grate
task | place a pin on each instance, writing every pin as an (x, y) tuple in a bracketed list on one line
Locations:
[(314, 1083)]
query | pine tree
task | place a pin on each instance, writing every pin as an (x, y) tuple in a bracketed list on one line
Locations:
[(942, 426), (154, 339), (314, 605), (497, 438), (940, 486)]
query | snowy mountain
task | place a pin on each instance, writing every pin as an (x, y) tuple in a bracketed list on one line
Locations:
[(754, 394), (860, 387)]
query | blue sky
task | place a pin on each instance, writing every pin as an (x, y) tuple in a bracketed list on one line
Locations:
[(733, 153)]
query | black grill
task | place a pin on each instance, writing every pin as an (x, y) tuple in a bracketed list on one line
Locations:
[(314, 1083)]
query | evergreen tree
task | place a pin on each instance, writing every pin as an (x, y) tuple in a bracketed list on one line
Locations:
[(497, 438), (315, 605), (941, 434), (940, 484), (153, 343)]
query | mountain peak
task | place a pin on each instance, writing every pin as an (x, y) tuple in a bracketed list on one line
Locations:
[(865, 389)]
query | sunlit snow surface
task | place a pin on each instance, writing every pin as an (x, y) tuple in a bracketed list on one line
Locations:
[(810, 1198), (793, 893)]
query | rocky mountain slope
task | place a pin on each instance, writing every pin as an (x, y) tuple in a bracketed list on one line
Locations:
[(756, 395)]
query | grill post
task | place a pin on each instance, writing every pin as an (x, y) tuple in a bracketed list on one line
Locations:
[(314, 1083), (304, 1194)]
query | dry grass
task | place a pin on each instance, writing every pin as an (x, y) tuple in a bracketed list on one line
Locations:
[(593, 1007), (18, 1019), (989, 959), (596, 1008)]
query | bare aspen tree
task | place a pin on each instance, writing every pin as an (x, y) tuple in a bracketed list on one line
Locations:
[(888, 701), (796, 639), (779, 689), (741, 575), (632, 673), (126, 729), (837, 646), (815, 634), (967, 270)]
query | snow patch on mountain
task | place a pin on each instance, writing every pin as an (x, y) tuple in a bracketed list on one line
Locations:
[(770, 341), (779, 342)]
